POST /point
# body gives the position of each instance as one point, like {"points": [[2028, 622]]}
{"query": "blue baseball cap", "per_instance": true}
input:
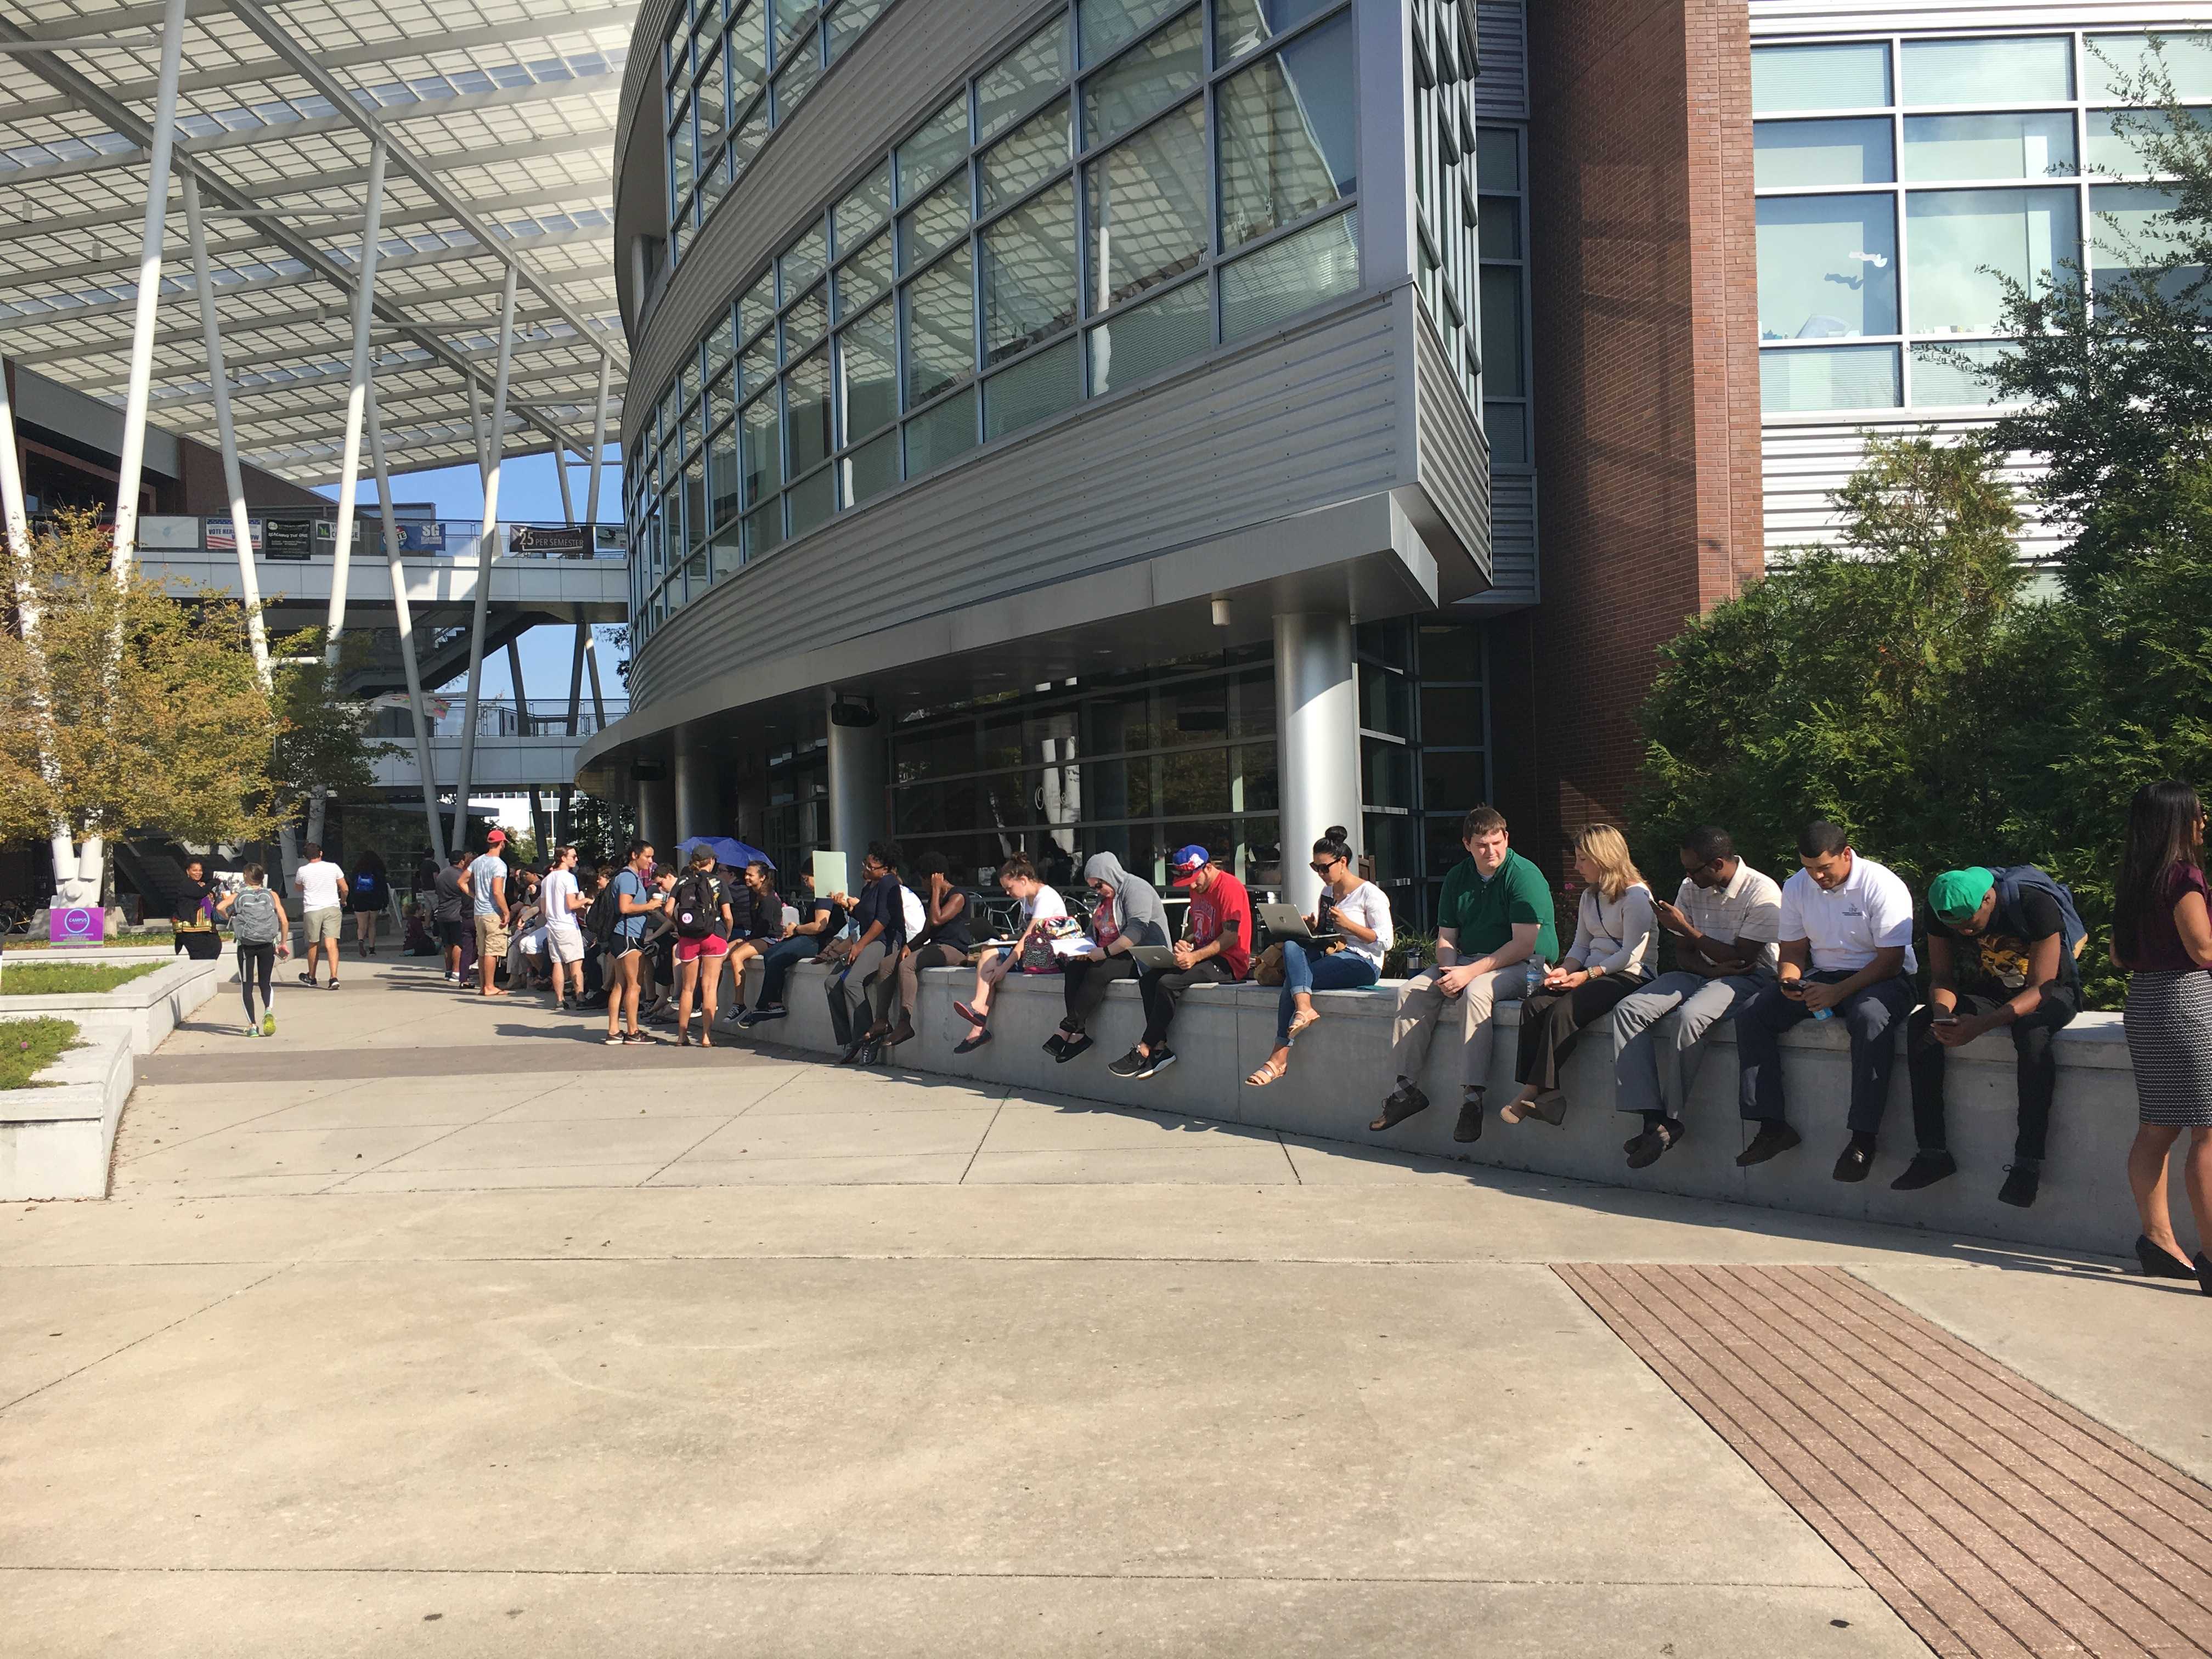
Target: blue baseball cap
{"points": [[1187, 862]]}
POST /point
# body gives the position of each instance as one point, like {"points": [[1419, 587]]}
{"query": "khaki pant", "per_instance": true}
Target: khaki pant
{"points": [[1422, 1007]]}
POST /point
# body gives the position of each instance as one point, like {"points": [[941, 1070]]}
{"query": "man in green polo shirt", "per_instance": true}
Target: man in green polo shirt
{"points": [[1496, 912]]}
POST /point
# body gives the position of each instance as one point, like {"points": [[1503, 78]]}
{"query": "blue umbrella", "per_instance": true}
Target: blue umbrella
{"points": [[735, 853]]}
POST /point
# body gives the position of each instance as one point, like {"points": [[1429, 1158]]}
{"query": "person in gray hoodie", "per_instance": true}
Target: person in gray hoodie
{"points": [[1128, 914]]}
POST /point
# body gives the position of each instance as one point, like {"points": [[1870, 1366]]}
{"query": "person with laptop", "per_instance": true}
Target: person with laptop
{"points": [[1347, 937], [1215, 950], [1127, 919]]}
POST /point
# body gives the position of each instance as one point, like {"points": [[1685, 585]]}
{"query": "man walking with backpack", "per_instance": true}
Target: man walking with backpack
{"points": [[259, 925], [703, 925]]}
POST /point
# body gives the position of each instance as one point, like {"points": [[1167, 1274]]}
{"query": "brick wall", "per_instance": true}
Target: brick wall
{"points": [[1646, 389]]}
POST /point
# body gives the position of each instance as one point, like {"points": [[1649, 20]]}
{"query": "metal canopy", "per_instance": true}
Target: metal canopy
{"points": [[496, 117]]}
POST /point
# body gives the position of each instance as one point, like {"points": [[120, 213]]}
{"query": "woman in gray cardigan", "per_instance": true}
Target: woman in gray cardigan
{"points": [[1615, 945]]}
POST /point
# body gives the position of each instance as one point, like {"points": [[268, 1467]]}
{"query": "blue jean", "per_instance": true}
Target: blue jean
{"points": [[1871, 1016], [778, 959], [1308, 968]]}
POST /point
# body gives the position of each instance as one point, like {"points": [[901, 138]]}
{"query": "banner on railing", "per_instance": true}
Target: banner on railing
{"points": [[287, 538], [222, 538], [421, 535], [564, 541]]}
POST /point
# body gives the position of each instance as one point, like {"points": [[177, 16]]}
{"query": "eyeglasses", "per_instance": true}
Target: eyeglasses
{"points": [[1322, 867]]}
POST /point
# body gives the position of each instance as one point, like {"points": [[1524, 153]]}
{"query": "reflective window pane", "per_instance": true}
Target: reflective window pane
{"points": [[760, 434], [1827, 266], [867, 206], [1155, 74], [721, 345], [2134, 235], [1029, 274], [1012, 88], [806, 411], [1149, 337], [1854, 76], [1828, 377], [757, 309], [748, 52], [2013, 146], [1147, 208], [752, 133], [940, 327], [872, 468], [1107, 23], [796, 78], [1940, 381], [1498, 159], [713, 113], [1501, 332], [1240, 26], [724, 486], [939, 220], [942, 139], [1264, 288], [695, 501], [1988, 71], [945, 431], [1850, 152], [865, 278], [1500, 227], [2112, 61], [764, 528], [2117, 138], [1289, 134], [805, 322], [1037, 387], [759, 363], [812, 500], [1954, 234], [867, 364], [1027, 156], [722, 400], [726, 552], [791, 16], [1506, 426], [798, 265], [846, 22]]}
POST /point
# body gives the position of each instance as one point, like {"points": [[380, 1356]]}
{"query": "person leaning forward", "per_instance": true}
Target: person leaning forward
{"points": [[1722, 921], [2003, 951], [1494, 915]]}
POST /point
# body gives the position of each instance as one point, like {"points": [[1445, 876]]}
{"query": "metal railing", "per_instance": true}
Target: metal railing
{"points": [[496, 717], [301, 536]]}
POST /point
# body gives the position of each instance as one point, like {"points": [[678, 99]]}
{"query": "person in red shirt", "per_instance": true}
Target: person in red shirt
{"points": [[1216, 949]]}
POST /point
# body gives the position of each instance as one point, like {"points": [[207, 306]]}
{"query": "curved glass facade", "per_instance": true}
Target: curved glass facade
{"points": [[1132, 184]]}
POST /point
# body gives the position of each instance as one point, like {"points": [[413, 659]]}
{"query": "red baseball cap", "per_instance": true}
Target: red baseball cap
{"points": [[496, 838]]}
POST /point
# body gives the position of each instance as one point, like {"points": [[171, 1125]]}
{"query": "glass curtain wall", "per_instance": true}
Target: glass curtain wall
{"points": [[1445, 144], [1899, 177], [1424, 751], [1135, 183]]}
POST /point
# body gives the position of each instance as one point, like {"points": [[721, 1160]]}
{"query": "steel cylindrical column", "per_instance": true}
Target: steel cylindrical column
{"points": [[697, 809], [1316, 740], [857, 773]]}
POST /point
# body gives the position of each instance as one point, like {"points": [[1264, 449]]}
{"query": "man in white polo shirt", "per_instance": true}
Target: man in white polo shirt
{"points": [[1846, 951]]}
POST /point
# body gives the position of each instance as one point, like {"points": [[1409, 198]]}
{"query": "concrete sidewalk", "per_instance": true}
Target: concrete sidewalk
{"points": [[430, 1326]]}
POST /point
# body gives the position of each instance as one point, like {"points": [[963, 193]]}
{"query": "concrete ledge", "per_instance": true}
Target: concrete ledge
{"points": [[56, 1142], [114, 955], [148, 1008], [1340, 1072]]}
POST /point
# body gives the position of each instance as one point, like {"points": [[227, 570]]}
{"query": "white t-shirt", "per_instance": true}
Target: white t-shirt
{"points": [[1369, 906], [1871, 911], [1045, 903], [321, 886], [553, 895]]}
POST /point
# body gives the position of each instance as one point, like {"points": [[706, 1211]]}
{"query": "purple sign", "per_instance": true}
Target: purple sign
{"points": [[75, 924]]}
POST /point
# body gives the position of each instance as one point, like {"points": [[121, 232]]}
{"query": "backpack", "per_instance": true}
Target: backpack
{"points": [[364, 883], [253, 918], [698, 906], [601, 915]]}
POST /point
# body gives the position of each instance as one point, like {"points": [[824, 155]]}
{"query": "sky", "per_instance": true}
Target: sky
{"points": [[528, 489]]}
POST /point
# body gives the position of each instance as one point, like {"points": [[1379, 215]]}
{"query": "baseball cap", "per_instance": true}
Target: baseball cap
{"points": [[1186, 864], [496, 838], [1956, 895]]}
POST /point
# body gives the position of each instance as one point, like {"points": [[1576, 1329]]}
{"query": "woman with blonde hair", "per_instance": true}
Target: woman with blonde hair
{"points": [[1612, 955]]}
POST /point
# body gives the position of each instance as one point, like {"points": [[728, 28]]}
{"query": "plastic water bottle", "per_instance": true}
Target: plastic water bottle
{"points": [[1535, 981]]}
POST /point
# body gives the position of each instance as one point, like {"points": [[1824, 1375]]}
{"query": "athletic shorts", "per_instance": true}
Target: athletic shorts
{"points": [[492, 936], [624, 945], [691, 950], [320, 925], [565, 944], [452, 935]]}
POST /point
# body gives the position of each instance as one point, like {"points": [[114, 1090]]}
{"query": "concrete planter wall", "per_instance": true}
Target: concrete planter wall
{"points": [[1342, 1071], [55, 1142], [148, 1008]]}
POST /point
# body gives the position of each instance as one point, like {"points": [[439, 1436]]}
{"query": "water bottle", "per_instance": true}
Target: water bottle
{"points": [[1412, 958], [1535, 981], [1821, 1013]]}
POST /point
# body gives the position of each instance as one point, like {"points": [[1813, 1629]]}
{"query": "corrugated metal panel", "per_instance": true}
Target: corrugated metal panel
{"points": [[1512, 541], [906, 65], [1804, 465], [1501, 90], [1306, 420], [1453, 469], [1780, 17]]}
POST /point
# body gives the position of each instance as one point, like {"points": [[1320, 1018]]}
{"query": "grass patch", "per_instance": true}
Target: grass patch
{"points": [[51, 979], [28, 1047]]}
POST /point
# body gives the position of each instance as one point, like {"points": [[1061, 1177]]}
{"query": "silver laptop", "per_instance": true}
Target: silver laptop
{"points": [[1284, 922]]}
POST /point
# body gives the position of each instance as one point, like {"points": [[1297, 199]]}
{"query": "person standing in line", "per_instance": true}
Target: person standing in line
{"points": [[558, 896], [705, 920], [2162, 940], [485, 882], [1128, 914], [367, 895], [635, 904], [1358, 913], [1216, 949], [1845, 946], [449, 907], [260, 929], [1611, 957], [321, 887], [1724, 919]]}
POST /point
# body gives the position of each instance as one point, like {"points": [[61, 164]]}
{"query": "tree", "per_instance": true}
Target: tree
{"points": [[601, 829], [1869, 682]]}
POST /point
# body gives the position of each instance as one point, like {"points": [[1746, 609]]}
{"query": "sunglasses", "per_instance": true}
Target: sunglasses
{"points": [[1322, 867]]}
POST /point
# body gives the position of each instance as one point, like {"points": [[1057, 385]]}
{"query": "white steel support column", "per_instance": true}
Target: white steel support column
{"points": [[491, 445], [404, 612], [132, 465], [567, 500], [592, 662], [249, 581], [1317, 741], [576, 678], [599, 448]]}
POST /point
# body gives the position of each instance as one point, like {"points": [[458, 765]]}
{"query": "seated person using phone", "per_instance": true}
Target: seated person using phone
{"points": [[2003, 949]]}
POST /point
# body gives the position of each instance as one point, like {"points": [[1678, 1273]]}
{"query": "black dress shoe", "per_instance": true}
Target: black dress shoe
{"points": [[968, 1045], [2022, 1177], [1855, 1160], [1645, 1149], [1469, 1127], [1774, 1138], [2157, 1263], [1925, 1170], [1404, 1103]]}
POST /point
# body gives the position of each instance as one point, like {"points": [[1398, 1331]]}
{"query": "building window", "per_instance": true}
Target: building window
{"points": [[1901, 180], [1424, 751]]}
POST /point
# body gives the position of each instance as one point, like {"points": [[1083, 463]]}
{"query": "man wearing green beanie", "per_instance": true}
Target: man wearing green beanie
{"points": [[2003, 949]]}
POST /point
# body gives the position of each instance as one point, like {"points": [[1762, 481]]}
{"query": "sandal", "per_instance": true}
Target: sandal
{"points": [[1300, 1023], [1269, 1071], [1516, 1108]]}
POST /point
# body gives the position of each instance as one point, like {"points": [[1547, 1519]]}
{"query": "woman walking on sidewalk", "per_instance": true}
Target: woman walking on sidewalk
{"points": [[263, 931]]}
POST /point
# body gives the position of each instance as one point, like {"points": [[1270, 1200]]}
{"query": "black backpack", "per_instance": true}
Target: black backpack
{"points": [[698, 905], [599, 919]]}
